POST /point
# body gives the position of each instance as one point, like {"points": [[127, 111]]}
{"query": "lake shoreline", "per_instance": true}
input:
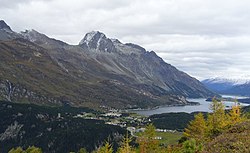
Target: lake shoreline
{"points": [[203, 106], [233, 100]]}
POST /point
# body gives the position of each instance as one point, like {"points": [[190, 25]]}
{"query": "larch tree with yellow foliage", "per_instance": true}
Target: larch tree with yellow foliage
{"points": [[235, 114], [125, 147], [196, 128], [147, 141], [217, 120], [31, 149], [107, 148]]}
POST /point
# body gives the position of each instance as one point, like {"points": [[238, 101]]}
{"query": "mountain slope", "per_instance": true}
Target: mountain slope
{"points": [[242, 89], [97, 72]]}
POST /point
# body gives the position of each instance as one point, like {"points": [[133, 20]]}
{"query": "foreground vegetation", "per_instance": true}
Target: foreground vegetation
{"points": [[219, 131]]}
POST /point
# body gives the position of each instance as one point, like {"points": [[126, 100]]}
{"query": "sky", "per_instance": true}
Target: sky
{"points": [[204, 38]]}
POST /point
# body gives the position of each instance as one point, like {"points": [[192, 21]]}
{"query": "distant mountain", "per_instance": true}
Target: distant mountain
{"points": [[242, 89], [228, 86], [99, 72]]}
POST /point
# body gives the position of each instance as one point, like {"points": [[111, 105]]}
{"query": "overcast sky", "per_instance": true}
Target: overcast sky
{"points": [[204, 38]]}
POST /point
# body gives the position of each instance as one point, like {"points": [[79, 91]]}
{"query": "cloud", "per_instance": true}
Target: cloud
{"points": [[203, 38]]}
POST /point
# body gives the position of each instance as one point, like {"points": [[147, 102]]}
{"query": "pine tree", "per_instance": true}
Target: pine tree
{"points": [[196, 128]]}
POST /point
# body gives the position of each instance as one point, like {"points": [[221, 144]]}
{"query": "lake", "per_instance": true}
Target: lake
{"points": [[203, 107]]}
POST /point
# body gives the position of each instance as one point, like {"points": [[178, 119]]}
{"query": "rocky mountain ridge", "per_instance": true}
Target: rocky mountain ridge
{"points": [[98, 72]]}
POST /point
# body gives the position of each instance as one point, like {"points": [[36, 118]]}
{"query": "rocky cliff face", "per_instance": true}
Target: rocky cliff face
{"points": [[11, 132], [6, 33], [18, 93], [98, 72], [96, 40]]}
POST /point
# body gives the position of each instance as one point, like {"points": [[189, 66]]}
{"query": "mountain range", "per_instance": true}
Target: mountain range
{"points": [[228, 86], [98, 72]]}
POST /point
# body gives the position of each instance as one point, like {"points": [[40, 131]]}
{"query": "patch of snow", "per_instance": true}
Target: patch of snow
{"points": [[98, 43], [31, 35]]}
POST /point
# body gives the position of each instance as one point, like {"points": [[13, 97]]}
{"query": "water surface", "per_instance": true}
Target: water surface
{"points": [[203, 107]]}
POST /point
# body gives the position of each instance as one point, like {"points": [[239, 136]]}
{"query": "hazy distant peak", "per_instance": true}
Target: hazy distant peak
{"points": [[232, 81], [3, 25]]}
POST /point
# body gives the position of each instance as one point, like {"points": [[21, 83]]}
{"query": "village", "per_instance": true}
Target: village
{"points": [[133, 122]]}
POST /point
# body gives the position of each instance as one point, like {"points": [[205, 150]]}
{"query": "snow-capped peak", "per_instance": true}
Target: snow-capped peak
{"points": [[97, 41], [232, 81], [90, 36]]}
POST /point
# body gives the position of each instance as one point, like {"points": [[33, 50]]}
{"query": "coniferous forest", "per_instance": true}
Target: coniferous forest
{"points": [[219, 131]]}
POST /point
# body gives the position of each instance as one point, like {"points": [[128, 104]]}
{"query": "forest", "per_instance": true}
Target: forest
{"points": [[54, 129], [219, 131]]}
